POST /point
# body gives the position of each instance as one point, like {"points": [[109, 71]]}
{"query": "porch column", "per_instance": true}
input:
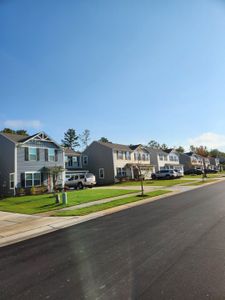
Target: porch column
{"points": [[132, 172]]}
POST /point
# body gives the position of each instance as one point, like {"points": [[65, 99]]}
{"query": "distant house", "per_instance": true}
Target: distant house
{"points": [[73, 162], [168, 159], [191, 160], [111, 162], [214, 163], [27, 161]]}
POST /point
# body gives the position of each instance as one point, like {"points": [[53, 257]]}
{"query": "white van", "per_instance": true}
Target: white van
{"points": [[81, 180]]}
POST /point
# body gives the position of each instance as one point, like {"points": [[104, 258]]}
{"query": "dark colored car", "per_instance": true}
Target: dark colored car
{"points": [[209, 171], [193, 172]]}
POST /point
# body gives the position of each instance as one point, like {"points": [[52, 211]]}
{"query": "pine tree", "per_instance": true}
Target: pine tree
{"points": [[70, 139]]}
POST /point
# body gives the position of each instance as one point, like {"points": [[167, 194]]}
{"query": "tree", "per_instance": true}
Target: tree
{"points": [[164, 147], [192, 148], [104, 140], [8, 130], [180, 149], [153, 144], [202, 150], [70, 139], [22, 132], [85, 138], [215, 153]]}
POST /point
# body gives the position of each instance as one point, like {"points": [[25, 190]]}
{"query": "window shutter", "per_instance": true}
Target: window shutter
{"points": [[56, 155], [38, 154], [46, 154], [22, 180], [26, 153]]}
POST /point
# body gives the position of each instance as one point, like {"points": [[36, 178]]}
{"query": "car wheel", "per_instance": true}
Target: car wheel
{"points": [[80, 186]]}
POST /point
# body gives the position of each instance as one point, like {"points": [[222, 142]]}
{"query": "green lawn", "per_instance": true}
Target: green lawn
{"points": [[166, 182], [221, 174], [43, 203], [200, 182], [94, 208]]}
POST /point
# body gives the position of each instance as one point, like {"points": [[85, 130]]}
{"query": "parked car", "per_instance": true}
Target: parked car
{"points": [[209, 171], [193, 172], [165, 174], [179, 173], [81, 180]]}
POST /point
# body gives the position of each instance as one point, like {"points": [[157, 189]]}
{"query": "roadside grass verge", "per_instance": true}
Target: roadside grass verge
{"points": [[202, 182], [160, 182], [99, 207], [217, 175], [43, 203]]}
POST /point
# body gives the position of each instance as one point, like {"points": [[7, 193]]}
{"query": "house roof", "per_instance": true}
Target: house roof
{"points": [[71, 152], [16, 138], [155, 151], [114, 146]]}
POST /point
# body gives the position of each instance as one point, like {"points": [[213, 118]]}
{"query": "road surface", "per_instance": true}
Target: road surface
{"points": [[173, 248]]}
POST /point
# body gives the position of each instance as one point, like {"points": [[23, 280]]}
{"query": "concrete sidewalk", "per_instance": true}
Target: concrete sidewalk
{"points": [[17, 227]]}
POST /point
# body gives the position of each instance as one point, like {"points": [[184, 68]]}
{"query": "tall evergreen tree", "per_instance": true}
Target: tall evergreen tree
{"points": [[70, 139]]}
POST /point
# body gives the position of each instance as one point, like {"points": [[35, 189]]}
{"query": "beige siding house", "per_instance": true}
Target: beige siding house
{"points": [[164, 161], [111, 162]]}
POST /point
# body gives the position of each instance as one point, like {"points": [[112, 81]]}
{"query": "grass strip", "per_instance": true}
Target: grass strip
{"points": [[33, 204], [161, 182], [99, 207]]}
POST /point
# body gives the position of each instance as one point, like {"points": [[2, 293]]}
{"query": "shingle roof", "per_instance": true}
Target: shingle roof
{"points": [[157, 151], [118, 147], [16, 138], [71, 152]]}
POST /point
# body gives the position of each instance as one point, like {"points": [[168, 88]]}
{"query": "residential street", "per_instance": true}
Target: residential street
{"points": [[173, 248]]}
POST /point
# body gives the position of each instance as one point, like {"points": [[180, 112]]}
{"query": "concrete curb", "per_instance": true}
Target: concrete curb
{"points": [[63, 222]]}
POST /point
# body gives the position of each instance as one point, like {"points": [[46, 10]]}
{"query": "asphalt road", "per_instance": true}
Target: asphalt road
{"points": [[173, 248]]}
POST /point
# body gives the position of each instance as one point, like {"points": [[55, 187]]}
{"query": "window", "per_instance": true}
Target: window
{"points": [[127, 155], [101, 173], [160, 156], [32, 179], [51, 154], [143, 156], [121, 172], [32, 153], [11, 180], [120, 154], [85, 160]]}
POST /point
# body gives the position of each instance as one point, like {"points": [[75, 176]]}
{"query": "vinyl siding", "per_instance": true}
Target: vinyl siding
{"points": [[100, 156], [7, 166]]}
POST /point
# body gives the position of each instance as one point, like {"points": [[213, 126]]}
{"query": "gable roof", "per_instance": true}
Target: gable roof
{"points": [[156, 151], [114, 146], [17, 138]]}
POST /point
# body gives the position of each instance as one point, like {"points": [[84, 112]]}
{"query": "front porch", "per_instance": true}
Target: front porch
{"points": [[134, 171]]}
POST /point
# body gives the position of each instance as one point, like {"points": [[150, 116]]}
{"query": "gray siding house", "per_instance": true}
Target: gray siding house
{"points": [[191, 160], [27, 161], [111, 162]]}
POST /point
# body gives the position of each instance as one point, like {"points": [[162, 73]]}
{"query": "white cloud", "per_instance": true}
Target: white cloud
{"points": [[210, 139], [21, 124]]}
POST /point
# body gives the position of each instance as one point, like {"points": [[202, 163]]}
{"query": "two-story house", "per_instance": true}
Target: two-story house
{"points": [[27, 161], [73, 162], [191, 160], [214, 163], [111, 162], [164, 160]]}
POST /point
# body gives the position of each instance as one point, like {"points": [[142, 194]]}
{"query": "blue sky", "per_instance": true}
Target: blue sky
{"points": [[129, 70]]}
